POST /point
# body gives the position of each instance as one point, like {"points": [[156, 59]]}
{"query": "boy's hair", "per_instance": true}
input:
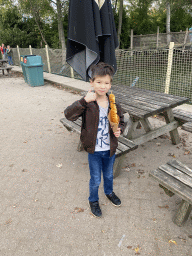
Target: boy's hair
{"points": [[101, 69]]}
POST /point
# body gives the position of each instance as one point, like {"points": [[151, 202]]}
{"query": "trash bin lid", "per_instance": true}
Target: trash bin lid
{"points": [[22, 57], [31, 60]]}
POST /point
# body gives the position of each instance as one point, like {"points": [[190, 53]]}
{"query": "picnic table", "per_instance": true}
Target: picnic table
{"points": [[3, 66], [142, 104]]}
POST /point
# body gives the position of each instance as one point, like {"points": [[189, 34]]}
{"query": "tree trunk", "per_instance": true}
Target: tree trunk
{"points": [[42, 36], [120, 20], [168, 22], [115, 5], [61, 30], [35, 13]]}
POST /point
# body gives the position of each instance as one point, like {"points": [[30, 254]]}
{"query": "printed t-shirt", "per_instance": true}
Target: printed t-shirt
{"points": [[103, 137]]}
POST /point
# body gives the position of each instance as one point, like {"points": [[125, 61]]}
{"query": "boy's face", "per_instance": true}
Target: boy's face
{"points": [[101, 84]]}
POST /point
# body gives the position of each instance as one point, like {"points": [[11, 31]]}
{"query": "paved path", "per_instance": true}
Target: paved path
{"points": [[44, 186]]}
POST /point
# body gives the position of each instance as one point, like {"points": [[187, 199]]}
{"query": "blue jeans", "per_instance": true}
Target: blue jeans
{"points": [[10, 60], [100, 161]]}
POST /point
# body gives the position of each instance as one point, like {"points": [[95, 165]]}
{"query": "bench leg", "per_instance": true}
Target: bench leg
{"points": [[146, 125], [130, 128], [3, 71], [182, 213], [80, 146], [118, 165], [174, 133], [167, 191]]}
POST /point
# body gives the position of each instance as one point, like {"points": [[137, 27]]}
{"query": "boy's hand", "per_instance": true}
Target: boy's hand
{"points": [[91, 96], [118, 132]]}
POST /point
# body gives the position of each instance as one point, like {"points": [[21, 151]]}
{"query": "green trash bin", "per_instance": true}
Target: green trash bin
{"points": [[33, 66], [23, 67]]}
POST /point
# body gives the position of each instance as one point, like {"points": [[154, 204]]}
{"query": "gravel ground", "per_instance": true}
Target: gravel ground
{"points": [[44, 185]]}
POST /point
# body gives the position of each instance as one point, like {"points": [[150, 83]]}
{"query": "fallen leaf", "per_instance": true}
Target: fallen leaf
{"points": [[77, 210], [171, 154], [164, 206], [173, 242], [183, 239], [59, 165], [137, 250], [24, 170], [8, 222], [129, 247], [190, 236], [141, 171], [133, 165], [187, 153]]}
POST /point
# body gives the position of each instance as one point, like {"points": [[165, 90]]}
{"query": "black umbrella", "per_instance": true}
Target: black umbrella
{"points": [[92, 36]]}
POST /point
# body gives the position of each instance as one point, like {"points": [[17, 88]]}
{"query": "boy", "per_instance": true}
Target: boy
{"points": [[97, 136]]}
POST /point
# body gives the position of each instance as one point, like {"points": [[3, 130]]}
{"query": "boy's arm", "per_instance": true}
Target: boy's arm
{"points": [[121, 117], [74, 111]]}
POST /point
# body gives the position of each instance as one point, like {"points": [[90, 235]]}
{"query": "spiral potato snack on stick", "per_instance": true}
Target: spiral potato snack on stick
{"points": [[113, 112]]}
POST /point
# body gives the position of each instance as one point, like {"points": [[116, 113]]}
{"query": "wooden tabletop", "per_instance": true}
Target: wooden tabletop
{"points": [[144, 103]]}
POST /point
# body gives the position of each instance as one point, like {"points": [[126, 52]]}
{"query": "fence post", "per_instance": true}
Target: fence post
{"points": [[157, 37], [72, 72], [169, 66], [48, 62], [131, 42], [30, 49], [18, 52], [185, 39]]}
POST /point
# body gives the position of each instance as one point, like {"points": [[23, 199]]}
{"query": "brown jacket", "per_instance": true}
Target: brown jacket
{"points": [[90, 120]]}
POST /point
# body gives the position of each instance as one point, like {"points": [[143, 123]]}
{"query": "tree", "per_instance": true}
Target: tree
{"points": [[140, 18], [37, 9], [14, 29], [120, 20], [168, 20]]}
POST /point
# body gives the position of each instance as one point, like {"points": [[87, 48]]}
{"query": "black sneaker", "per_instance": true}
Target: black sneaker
{"points": [[95, 209], [114, 199]]}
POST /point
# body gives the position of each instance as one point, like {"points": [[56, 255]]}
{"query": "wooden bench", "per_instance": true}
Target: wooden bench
{"points": [[7, 68], [176, 178], [184, 118], [124, 145]]}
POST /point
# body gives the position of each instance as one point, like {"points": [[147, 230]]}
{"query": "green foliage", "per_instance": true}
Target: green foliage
{"points": [[180, 19], [18, 24], [20, 28]]}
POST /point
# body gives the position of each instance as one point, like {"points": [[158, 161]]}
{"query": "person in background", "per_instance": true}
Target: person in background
{"points": [[3, 51], [9, 54]]}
